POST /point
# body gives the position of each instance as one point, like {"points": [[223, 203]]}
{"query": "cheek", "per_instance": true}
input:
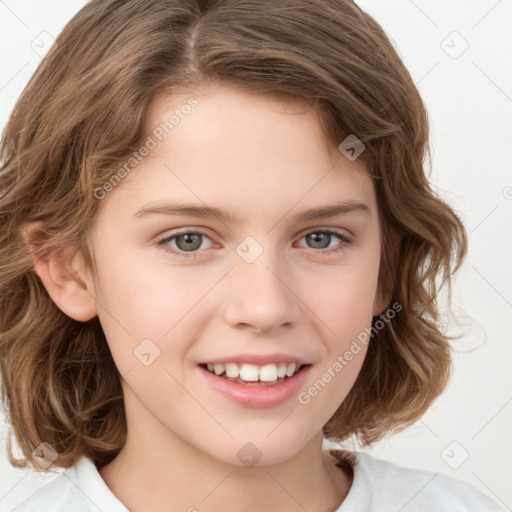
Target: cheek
{"points": [[342, 319], [343, 297], [149, 301]]}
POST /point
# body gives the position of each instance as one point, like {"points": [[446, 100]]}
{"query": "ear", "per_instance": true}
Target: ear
{"points": [[385, 287], [65, 277]]}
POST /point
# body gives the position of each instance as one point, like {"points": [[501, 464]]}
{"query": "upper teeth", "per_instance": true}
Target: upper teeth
{"points": [[252, 372]]}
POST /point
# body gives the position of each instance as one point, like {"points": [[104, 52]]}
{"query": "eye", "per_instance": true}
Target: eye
{"points": [[187, 243], [324, 236]]}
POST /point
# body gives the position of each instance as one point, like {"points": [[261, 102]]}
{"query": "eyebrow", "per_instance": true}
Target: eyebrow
{"points": [[195, 210]]}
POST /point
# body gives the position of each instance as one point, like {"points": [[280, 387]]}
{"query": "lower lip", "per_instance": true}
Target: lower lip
{"points": [[257, 396]]}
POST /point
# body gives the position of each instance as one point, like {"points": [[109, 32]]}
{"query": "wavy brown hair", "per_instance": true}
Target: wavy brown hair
{"points": [[83, 113]]}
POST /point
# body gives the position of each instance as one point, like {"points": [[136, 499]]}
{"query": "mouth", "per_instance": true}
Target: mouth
{"points": [[253, 375], [258, 387]]}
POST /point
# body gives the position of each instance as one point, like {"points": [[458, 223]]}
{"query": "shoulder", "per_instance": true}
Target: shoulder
{"points": [[77, 489], [381, 485]]}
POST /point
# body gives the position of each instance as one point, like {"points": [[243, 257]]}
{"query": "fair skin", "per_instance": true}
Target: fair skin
{"points": [[264, 160]]}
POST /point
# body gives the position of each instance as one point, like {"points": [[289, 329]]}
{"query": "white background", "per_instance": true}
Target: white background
{"points": [[469, 99]]}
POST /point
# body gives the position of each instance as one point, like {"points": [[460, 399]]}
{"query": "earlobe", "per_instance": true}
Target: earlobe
{"points": [[67, 281]]}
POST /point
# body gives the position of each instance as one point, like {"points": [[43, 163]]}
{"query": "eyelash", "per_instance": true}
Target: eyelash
{"points": [[345, 241]]}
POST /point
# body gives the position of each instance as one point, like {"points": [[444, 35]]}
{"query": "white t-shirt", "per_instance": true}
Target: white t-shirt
{"points": [[378, 486]]}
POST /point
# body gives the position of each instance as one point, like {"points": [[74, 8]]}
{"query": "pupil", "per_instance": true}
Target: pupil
{"points": [[188, 237], [319, 237]]}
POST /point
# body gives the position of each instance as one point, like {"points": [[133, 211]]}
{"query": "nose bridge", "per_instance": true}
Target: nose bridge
{"points": [[259, 294]]}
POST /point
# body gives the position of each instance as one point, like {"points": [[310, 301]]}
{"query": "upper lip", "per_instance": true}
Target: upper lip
{"points": [[258, 359]]}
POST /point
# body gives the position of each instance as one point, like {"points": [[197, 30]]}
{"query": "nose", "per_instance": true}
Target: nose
{"points": [[260, 295]]}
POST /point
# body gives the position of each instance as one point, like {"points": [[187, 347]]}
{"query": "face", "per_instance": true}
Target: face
{"points": [[262, 284]]}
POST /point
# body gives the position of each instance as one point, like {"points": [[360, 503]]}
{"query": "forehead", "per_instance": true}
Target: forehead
{"points": [[233, 117], [222, 145]]}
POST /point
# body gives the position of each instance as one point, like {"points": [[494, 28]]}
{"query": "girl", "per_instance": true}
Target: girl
{"points": [[220, 249]]}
